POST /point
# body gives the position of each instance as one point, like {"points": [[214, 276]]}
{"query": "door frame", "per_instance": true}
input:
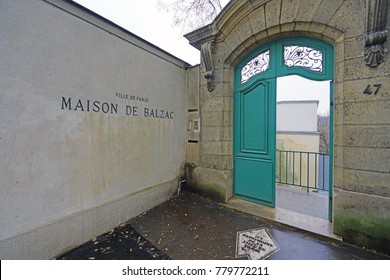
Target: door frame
{"points": [[278, 69]]}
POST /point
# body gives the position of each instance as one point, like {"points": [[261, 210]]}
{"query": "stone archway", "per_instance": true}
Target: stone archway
{"points": [[240, 29], [359, 63], [255, 110]]}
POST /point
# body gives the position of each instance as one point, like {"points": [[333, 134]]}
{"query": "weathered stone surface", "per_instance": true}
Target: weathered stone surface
{"points": [[350, 18], [193, 76], [356, 70], [373, 112], [227, 133], [250, 43], [338, 113], [302, 26], [367, 136], [373, 183], [213, 183], [261, 36], [193, 151], [228, 118], [339, 52], [338, 156], [289, 10], [273, 30], [233, 41], [212, 133], [354, 91], [243, 29], [326, 10], [212, 103], [257, 20], [224, 51], [217, 147], [228, 85], [317, 27], [338, 93], [376, 160], [272, 13], [216, 161], [362, 219], [338, 177], [211, 118], [228, 104], [338, 135], [333, 33], [287, 27], [307, 10], [339, 74], [354, 47]]}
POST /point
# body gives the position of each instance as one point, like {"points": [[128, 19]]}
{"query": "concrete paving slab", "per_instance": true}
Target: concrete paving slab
{"points": [[298, 200]]}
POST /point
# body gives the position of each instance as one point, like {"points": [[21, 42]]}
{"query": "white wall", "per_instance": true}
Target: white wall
{"points": [[68, 172], [297, 116]]}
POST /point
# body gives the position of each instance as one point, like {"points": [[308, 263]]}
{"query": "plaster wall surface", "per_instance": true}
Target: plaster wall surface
{"points": [[92, 126], [296, 116], [297, 142]]}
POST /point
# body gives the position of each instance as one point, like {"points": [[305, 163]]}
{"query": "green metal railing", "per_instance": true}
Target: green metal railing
{"points": [[304, 169]]}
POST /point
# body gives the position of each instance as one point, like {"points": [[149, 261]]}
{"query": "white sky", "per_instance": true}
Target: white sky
{"points": [[297, 88], [142, 18]]}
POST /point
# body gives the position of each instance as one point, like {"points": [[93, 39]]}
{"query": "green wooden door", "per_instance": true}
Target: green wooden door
{"points": [[254, 127], [255, 108], [254, 162]]}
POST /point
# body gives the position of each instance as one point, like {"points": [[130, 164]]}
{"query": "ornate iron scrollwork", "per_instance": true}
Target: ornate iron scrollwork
{"points": [[257, 65], [303, 56], [376, 34], [207, 50]]}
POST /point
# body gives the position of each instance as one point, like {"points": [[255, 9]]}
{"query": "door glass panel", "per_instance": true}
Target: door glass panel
{"points": [[302, 56], [257, 65]]}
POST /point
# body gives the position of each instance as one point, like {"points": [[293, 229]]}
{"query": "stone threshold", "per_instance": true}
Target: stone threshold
{"points": [[314, 225]]}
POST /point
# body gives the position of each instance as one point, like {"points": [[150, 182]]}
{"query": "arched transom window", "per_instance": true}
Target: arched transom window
{"points": [[302, 56], [257, 65], [299, 55]]}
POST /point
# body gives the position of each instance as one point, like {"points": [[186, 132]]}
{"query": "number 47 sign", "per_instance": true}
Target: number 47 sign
{"points": [[372, 89]]}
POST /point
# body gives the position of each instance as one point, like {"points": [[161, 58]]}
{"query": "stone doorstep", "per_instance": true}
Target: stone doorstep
{"points": [[310, 224]]}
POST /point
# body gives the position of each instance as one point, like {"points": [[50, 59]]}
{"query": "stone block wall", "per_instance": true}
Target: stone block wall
{"points": [[361, 163]]}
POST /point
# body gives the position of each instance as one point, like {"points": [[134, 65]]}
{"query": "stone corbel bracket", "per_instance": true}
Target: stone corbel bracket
{"points": [[207, 51], [376, 33]]}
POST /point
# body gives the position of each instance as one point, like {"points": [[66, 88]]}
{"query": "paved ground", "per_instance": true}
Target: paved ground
{"points": [[190, 227], [299, 200]]}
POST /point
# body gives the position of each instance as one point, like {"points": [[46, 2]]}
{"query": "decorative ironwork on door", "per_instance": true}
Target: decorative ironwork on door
{"points": [[303, 56], [257, 65]]}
